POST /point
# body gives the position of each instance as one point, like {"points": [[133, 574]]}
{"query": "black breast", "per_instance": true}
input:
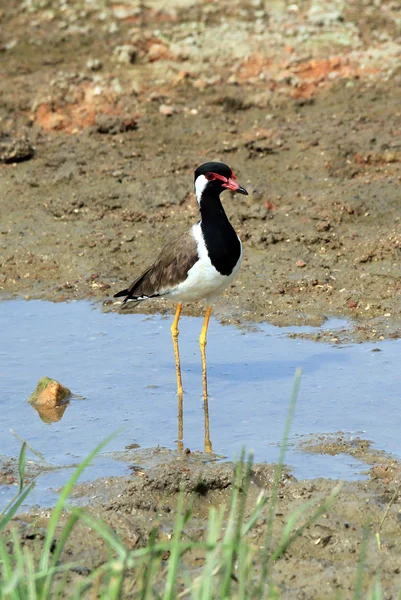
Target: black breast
{"points": [[223, 245]]}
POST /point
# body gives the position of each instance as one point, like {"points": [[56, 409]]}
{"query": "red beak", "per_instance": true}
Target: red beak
{"points": [[233, 185]]}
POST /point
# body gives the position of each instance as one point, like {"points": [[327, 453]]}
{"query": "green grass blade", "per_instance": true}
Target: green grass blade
{"points": [[175, 551], [103, 530], [276, 484], [202, 587], [12, 509], [56, 513], [230, 538], [290, 535], [21, 467], [63, 538], [38, 454], [7, 571], [361, 564], [149, 568], [256, 513], [30, 574]]}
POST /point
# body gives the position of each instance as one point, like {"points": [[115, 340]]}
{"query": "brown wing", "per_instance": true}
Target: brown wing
{"points": [[170, 269]]}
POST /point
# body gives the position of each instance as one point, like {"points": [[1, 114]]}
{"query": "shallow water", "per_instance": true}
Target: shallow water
{"points": [[121, 368]]}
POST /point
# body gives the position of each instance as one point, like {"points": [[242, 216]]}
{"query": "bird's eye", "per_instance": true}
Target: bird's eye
{"points": [[209, 176]]}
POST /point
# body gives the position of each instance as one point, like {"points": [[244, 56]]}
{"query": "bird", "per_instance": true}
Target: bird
{"points": [[198, 265]]}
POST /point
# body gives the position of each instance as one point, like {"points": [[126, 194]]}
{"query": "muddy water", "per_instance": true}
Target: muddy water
{"points": [[121, 370]]}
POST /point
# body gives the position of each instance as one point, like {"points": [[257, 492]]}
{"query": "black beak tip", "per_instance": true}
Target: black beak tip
{"points": [[242, 190]]}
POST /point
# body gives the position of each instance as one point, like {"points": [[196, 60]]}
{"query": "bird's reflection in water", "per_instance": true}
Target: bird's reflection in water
{"points": [[50, 414], [180, 439], [53, 414]]}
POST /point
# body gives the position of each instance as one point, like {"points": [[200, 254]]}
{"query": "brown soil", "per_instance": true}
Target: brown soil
{"points": [[113, 108], [105, 111]]}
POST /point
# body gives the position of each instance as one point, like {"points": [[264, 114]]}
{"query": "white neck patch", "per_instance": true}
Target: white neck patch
{"points": [[200, 184]]}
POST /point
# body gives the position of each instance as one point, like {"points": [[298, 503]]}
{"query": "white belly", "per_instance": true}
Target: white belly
{"points": [[203, 281]]}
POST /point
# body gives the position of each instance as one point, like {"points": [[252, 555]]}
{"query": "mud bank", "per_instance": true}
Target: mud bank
{"points": [[321, 562], [96, 172]]}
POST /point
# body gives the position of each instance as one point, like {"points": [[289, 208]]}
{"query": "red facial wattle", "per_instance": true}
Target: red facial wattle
{"points": [[228, 182]]}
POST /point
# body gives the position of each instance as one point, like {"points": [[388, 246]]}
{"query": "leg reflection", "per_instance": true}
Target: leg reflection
{"points": [[208, 443], [180, 439]]}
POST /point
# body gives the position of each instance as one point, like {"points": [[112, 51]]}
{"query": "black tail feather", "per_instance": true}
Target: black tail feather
{"points": [[122, 293]]}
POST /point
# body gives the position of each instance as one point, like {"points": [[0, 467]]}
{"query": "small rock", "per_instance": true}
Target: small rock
{"points": [[10, 45], [94, 64], [49, 392], [352, 303], [157, 52], [301, 264], [125, 54], [183, 75], [200, 83], [319, 15], [166, 110], [323, 226], [16, 150], [113, 125]]}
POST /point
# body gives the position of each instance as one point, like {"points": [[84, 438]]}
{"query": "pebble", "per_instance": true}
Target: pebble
{"points": [[125, 54], [16, 150], [157, 52], [94, 64], [166, 110]]}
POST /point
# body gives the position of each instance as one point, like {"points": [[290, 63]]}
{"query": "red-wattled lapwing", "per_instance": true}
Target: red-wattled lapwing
{"points": [[201, 263]]}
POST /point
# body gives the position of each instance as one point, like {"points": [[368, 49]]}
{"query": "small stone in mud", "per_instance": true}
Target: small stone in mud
{"points": [[94, 64], [125, 54], [352, 303], [49, 392], [114, 125], [16, 150], [157, 52], [301, 264], [166, 110]]}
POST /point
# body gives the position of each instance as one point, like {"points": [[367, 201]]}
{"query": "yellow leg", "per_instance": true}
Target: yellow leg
{"points": [[174, 333], [202, 344]]}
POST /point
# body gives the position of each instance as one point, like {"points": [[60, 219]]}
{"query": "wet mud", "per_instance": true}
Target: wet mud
{"points": [[106, 110], [96, 173], [323, 560]]}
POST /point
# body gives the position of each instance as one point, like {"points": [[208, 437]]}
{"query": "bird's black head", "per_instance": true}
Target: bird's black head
{"points": [[215, 177]]}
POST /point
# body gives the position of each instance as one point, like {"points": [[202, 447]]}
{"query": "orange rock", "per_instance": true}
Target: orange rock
{"points": [[49, 392], [50, 395], [158, 52]]}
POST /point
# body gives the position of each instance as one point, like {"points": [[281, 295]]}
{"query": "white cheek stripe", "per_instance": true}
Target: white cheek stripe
{"points": [[200, 184]]}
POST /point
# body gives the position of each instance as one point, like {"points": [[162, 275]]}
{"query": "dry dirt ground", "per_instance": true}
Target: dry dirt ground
{"points": [[106, 108]]}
